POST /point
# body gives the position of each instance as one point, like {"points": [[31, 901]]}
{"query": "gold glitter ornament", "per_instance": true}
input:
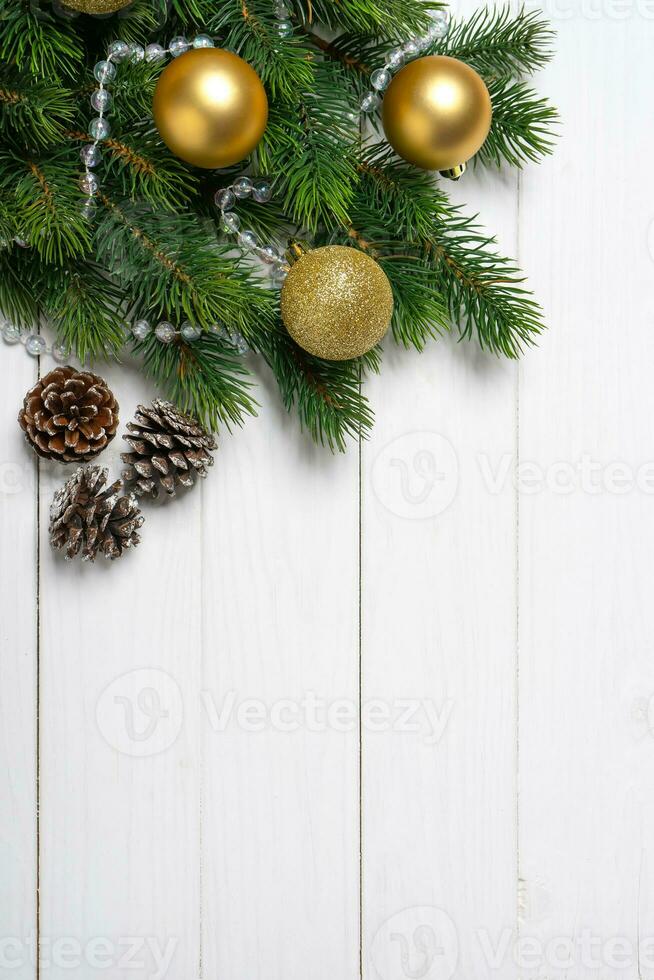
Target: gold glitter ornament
{"points": [[210, 108], [336, 302], [437, 113], [97, 6]]}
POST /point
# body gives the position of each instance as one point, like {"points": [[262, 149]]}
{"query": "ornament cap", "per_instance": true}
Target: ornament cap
{"points": [[295, 250], [454, 173]]}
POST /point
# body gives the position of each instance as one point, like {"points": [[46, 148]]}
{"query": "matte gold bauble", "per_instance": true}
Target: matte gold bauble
{"points": [[336, 302], [97, 6], [436, 112], [210, 108]]}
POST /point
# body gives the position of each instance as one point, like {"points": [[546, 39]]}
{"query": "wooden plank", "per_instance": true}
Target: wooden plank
{"points": [[18, 674], [120, 662], [280, 768], [439, 651], [586, 572]]}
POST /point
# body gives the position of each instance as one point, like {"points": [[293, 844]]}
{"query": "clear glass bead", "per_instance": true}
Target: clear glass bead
{"points": [[178, 46], [11, 333], [136, 53], [154, 52], [410, 49], [21, 241], [370, 102], [279, 271], [105, 71], [89, 183], [90, 155], [239, 343], [380, 79], [190, 331], [225, 198], [284, 28], [281, 11], [35, 344], [99, 128], [88, 209], [203, 41], [261, 190], [440, 24], [60, 353], [395, 58], [268, 253], [101, 100], [118, 50], [165, 332], [141, 329], [243, 187], [422, 43], [248, 239], [230, 222]]}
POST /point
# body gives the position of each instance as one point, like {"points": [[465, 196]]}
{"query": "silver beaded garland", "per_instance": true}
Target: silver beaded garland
{"points": [[396, 58]]}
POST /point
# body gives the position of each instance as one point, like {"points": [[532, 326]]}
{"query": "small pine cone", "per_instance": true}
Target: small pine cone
{"points": [[168, 448], [85, 517], [69, 415]]}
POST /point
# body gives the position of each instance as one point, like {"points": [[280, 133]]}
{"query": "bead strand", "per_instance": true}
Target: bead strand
{"points": [[166, 333], [260, 190], [101, 101], [381, 78], [34, 343]]}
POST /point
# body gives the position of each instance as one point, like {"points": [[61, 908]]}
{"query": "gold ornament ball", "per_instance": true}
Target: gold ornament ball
{"points": [[97, 6], [436, 112], [336, 302], [210, 108]]}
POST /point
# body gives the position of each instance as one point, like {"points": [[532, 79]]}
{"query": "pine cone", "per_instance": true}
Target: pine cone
{"points": [[85, 517], [168, 448], [69, 415]]}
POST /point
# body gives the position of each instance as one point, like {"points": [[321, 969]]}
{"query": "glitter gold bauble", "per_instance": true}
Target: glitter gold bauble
{"points": [[97, 6], [210, 108], [336, 302], [436, 112]]}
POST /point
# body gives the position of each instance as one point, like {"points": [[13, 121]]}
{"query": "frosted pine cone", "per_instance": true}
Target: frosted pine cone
{"points": [[169, 449], [86, 518]]}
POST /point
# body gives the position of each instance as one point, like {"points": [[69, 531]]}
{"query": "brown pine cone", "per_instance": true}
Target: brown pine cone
{"points": [[85, 517], [69, 415], [168, 449]]}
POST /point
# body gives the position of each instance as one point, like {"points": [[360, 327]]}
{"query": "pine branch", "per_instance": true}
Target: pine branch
{"points": [[18, 284], [34, 41], [522, 127], [326, 394], [86, 308], [174, 269], [498, 44], [396, 19], [484, 291], [33, 111], [311, 145], [48, 201], [138, 166], [419, 312], [205, 378], [283, 64]]}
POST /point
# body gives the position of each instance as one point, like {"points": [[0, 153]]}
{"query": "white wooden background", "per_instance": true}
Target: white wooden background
{"points": [[388, 714]]}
